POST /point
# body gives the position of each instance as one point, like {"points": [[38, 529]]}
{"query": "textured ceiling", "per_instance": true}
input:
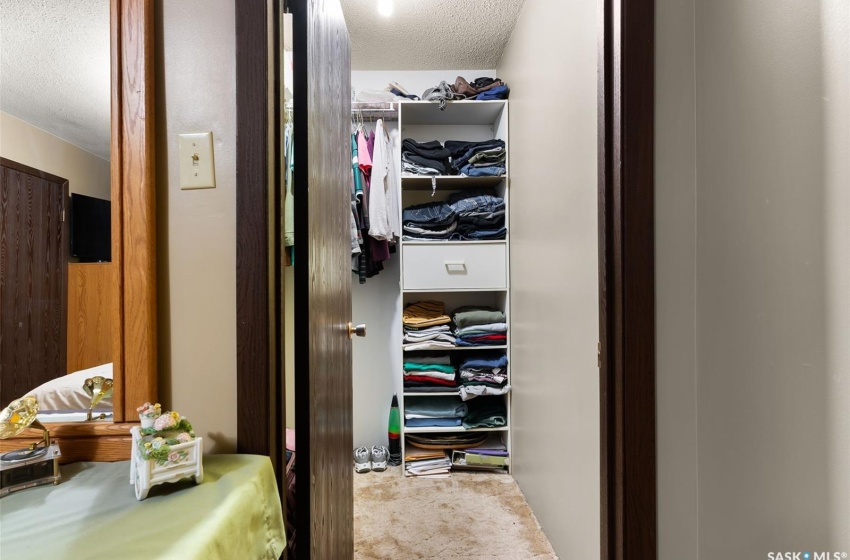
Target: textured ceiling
{"points": [[54, 68], [430, 34]]}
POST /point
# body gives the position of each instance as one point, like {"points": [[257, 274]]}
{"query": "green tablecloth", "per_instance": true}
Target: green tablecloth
{"points": [[93, 514]]}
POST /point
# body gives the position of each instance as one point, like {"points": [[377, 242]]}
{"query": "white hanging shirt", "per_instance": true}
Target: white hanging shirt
{"points": [[383, 196]]}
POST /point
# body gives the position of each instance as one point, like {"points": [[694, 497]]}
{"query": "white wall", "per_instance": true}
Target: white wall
{"points": [[675, 272], [554, 264], [196, 92], [24, 143], [771, 251]]}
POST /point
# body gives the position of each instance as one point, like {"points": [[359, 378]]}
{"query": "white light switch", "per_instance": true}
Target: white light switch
{"points": [[197, 166]]}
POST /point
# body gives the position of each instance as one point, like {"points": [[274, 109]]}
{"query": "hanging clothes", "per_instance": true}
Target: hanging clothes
{"points": [[288, 186], [383, 202]]}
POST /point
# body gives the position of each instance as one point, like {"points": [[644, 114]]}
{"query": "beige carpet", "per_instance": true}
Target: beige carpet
{"points": [[475, 516]]}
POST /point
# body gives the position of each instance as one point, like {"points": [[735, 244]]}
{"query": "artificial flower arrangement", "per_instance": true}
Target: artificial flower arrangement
{"points": [[166, 430], [148, 413]]}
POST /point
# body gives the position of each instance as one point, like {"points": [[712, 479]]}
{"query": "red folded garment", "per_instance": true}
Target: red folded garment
{"points": [[424, 379], [490, 337]]}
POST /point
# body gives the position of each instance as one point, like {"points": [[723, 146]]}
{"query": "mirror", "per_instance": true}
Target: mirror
{"points": [[56, 195], [128, 282]]}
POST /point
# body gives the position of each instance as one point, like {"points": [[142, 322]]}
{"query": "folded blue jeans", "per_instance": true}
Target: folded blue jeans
{"points": [[490, 171]]}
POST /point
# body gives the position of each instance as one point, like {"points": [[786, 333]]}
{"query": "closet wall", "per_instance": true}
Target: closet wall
{"points": [[755, 99], [554, 265], [377, 303], [195, 80]]}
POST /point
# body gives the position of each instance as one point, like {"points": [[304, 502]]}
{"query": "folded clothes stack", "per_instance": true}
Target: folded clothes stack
{"points": [[486, 412], [426, 326], [478, 159], [480, 214], [428, 373], [477, 325], [431, 221], [484, 374], [426, 158], [434, 412]]}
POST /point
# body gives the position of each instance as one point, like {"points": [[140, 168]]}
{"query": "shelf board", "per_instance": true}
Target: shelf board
{"points": [[453, 348], [456, 112], [423, 182], [434, 394], [453, 290], [441, 243], [453, 429]]}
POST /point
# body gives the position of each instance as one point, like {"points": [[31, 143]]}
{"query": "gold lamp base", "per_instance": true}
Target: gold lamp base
{"points": [[30, 466]]}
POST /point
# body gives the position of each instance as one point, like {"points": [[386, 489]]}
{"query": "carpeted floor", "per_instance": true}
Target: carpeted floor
{"points": [[475, 516]]}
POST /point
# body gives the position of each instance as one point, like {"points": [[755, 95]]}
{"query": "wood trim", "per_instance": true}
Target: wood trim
{"points": [[133, 237], [253, 371], [33, 171], [104, 441], [138, 207], [627, 279]]}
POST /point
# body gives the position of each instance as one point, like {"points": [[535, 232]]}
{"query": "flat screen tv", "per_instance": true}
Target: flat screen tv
{"points": [[91, 228]]}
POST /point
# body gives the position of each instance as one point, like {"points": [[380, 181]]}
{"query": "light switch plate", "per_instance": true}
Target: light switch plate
{"points": [[197, 165]]}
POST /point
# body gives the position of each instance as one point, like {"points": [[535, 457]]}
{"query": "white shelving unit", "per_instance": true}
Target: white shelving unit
{"points": [[483, 278]]}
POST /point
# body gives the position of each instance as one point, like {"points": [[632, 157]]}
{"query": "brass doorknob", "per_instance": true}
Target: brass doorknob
{"points": [[359, 330]]}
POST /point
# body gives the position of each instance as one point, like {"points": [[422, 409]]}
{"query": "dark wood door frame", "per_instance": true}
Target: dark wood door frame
{"points": [[626, 116], [626, 257]]}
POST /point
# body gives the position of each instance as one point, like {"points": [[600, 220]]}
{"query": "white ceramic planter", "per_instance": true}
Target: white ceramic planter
{"points": [[187, 462]]}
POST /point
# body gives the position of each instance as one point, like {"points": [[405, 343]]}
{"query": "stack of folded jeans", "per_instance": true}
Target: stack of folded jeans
{"points": [[480, 213], [479, 326], [432, 221], [486, 412], [426, 373], [427, 158], [426, 326], [435, 411], [484, 374], [478, 159]]}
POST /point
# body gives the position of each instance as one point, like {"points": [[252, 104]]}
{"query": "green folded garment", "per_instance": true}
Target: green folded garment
{"points": [[486, 412], [466, 316], [413, 366]]}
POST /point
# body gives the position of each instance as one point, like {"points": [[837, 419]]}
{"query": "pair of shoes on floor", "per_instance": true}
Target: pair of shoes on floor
{"points": [[366, 460]]}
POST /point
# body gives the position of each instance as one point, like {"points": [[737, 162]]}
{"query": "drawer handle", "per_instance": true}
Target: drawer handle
{"points": [[455, 267]]}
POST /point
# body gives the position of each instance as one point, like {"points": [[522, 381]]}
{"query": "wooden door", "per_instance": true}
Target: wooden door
{"points": [[323, 379], [33, 278]]}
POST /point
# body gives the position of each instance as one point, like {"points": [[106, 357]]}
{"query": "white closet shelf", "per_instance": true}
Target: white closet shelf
{"points": [[457, 290], [453, 348], [435, 394], [455, 113], [453, 429], [423, 182], [442, 243]]}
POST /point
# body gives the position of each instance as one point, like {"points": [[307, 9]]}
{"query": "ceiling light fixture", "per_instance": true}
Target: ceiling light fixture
{"points": [[385, 7]]}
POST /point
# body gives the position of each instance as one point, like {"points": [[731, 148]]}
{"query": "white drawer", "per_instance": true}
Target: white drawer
{"points": [[455, 267]]}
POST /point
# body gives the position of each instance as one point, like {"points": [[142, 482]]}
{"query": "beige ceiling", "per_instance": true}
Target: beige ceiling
{"points": [[54, 68], [430, 34]]}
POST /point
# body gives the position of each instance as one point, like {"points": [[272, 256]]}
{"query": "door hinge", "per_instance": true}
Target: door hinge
{"points": [[599, 354], [63, 215]]}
